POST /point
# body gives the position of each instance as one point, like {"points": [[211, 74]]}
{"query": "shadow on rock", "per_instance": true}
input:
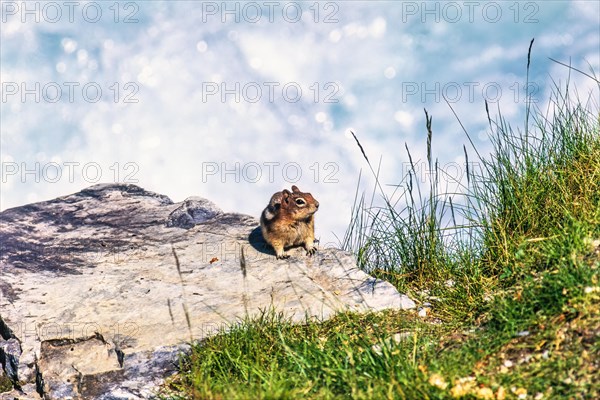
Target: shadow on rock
{"points": [[258, 243]]}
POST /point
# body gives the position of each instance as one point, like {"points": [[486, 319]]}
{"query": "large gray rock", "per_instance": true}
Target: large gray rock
{"points": [[102, 289]]}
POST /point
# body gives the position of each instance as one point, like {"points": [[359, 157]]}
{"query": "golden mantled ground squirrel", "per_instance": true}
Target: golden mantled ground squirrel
{"points": [[289, 221]]}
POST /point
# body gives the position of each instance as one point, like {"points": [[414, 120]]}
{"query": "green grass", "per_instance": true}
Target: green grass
{"points": [[5, 383], [510, 264]]}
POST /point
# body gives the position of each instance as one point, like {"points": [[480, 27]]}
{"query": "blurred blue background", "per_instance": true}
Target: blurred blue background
{"points": [[233, 101]]}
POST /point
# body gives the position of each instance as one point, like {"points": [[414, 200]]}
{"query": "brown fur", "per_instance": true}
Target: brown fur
{"points": [[287, 221]]}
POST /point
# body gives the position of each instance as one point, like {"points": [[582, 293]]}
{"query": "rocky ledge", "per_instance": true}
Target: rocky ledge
{"points": [[101, 290]]}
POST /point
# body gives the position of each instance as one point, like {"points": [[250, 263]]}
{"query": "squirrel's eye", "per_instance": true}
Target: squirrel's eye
{"points": [[300, 202]]}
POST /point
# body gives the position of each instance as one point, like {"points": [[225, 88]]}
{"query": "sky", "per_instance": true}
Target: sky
{"points": [[233, 101]]}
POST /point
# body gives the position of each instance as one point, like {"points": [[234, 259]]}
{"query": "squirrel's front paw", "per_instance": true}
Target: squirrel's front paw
{"points": [[311, 250], [282, 256]]}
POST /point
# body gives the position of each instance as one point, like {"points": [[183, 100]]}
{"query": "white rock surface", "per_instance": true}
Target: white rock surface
{"points": [[100, 290]]}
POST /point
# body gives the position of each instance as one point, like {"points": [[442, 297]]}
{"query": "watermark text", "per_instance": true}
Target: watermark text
{"points": [[269, 171], [70, 11], [68, 171], [253, 92], [53, 92]]}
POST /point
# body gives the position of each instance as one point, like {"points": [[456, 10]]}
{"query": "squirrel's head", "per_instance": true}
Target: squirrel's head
{"points": [[300, 205]]}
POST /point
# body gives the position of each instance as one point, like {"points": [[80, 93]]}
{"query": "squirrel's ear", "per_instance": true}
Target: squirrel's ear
{"points": [[286, 193], [295, 189], [276, 198]]}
